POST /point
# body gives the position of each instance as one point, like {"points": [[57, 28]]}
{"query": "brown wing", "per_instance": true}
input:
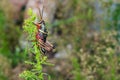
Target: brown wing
{"points": [[47, 46]]}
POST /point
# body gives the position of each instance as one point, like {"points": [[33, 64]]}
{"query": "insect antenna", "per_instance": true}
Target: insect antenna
{"points": [[40, 15], [42, 8], [41, 11]]}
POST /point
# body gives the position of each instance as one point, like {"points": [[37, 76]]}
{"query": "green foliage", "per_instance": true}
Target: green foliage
{"points": [[36, 72], [77, 70], [5, 67], [94, 53], [29, 27], [9, 34], [99, 60], [2, 76]]}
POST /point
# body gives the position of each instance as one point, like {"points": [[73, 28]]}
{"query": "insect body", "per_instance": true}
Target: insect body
{"points": [[41, 31], [41, 36]]}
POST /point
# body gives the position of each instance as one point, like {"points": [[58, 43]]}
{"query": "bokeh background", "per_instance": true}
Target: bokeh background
{"points": [[86, 34]]}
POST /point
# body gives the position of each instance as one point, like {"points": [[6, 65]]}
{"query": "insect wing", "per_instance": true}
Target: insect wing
{"points": [[47, 46]]}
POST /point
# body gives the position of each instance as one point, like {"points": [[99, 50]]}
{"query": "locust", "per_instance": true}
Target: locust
{"points": [[41, 34]]}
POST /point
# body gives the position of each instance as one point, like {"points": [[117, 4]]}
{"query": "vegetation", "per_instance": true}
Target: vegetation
{"points": [[87, 40], [36, 73]]}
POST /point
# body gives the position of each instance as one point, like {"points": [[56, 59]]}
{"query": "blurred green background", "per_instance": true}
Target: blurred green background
{"points": [[86, 34]]}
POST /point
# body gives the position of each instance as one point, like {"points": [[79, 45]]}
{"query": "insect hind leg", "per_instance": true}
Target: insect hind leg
{"points": [[43, 50]]}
